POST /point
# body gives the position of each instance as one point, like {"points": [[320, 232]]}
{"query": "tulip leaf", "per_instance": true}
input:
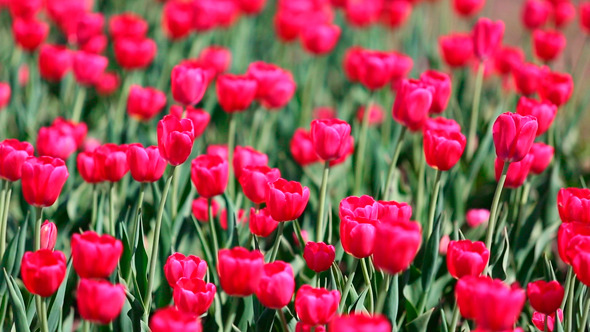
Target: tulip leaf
{"points": [[18, 305], [358, 305], [141, 263], [265, 321], [233, 239], [14, 253], [430, 261], [247, 313], [127, 256], [420, 324], [55, 308], [443, 318]]}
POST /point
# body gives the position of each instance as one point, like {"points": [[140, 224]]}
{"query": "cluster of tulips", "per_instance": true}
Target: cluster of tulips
{"points": [[238, 150]]}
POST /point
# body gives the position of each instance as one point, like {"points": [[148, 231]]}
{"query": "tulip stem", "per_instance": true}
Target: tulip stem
{"points": [[570, 303], [299, 234], [85, 326], [38, 222], [155, 242], [231, 142], [94, 206], [455, 318], [368, 283], [583, 323], [494, 210], [348, 284], [138, 210], [393, 165], [174, 198], [78, 104], [420, 191], [112, 210], [387, 282], [322, 207], [276, 245], [433, 203], [4, 208], [41, 313], [475, 111], [283, 320], [212, 227], [362, 146], [232, 314]]}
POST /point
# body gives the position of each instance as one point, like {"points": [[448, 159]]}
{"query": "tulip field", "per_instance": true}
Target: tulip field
{"points": [[294, 165]]}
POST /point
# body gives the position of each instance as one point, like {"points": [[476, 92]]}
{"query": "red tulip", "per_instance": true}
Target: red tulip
{"points": [[145, 103], [514, 135], [396, 245], [563, 13], [527, 77], [456, 49], [476, 217], [506, 58], [412, 103], [539, 320], [556, 88], [239, 271], [364, 207], [542, 156], [320, 39], [42, 180], [127, 25], [330, 137], [132, 53], [175, 139], [188, 84], [96, 44], [218, 150], [254, 181], [145, 164], [261, 223], [240, 218], [198, 116], [177, 19], [48, 235], [107, 84], [585, 16], [466, 258], [535, 13], [441, 83], [375, 68], [200, 209], [549, 44], [392, 211], [29, 33], [171, 319], [216, 57], [194, 295], [286, 200], [54, 142], [88, 67], [277, 285], [578, 252], [440, 123], [302, 327], [357, 235], [43, 271], [402, 65], [316, 306], [573, 204], [543, 111], [352, 62], [359, 323], [545, 297], [54, 62], [4, 95], [235, 92], [376, 114], [443, 149], [566, 233], [487, 37], [210, 175], [89, 26], [24, 8], [362, 13], [99, 301], [112, 161], [319, 256], [89, 168], [251, 7], [468, 7], [13, 154], [395, 14], [276, 86], [517, 171], [95, 256], [301, 147]]}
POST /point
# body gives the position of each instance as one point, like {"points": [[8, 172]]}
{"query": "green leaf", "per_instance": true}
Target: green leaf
{"points": [[13, 255], [141, 263], [127, 256], [18, 306], [265, 321], [55, 309], [233, 239], [247, 314], [358, 304], [430, 261], [420, 324], [443, 317]]}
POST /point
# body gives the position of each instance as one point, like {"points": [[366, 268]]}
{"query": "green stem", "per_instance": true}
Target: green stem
{"points": [[362, 145], [455, 318], [4, 209], [232, 314], [368, 283], [569, 313], [231, 142], [112, 210], [78, 104], [138, 210], [213, 228], [583, 323], [94, 206], [276, 245], [299, 234], [420, 191], [85, 326], [382, 295], [155, 242], [41, 314], [174, 197], [494, 210], [283, 320], [433, 203], [348, 285], [475, 111], [393, 165], [322, 207], [38, 223], [568, 285]]}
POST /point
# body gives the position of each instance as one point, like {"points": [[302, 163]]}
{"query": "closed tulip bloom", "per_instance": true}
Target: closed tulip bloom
{"points": [[578, 254], [324, 112], [217, 57], [235, 92], [286, 200], [261, 223], [535, 13], [566, 233], [89, 26], [545, 297], [357, 235], [440, 123], [88, 67], [97, 44], [218, 150], [54, 62], [466, 292], [145, 164], [13, 154], [77, 130], [132, 53], [42, 180], [320, 39], [585, 16], [89, 168], [276, 86], [456, 49], [487, 37], [99, 301], [277, 285], [443, 149], [54, 142], [145, 103], [198, 116], [29, 33], [127, 25], [396, 245], [352, 62], [573, 204], [107, 84], [254, 181], [539, 320], [194, 295], [441, 83], [412, 103], [4, 94], [239, 271], [209, 175], [316, 306], [376, 114], [364, 207], [514, 135], [476, 217], [517, 171], [95, 256], [362, 13], [468, 7], [175, 139], [301, 147], [329, 138], [112, 161], [375, 68], [188, 84], [392, 211], [319, 256], [549, 44], [527, 77], [251, 7], [48, 235], [542, 157], [200, 209], [43, 271], [556, 88], [543, 111], [506, 58], [563, 14], [466, 258], [395, 14], [24, 8], [177, 19], [171, 319], [359, 323]]}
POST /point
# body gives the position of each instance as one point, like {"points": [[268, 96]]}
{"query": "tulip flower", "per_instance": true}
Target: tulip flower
{"points": [[216, 57], [200, 209], [175, 139], [556, 88], [466, 258], [255, 181], [527, 77], [363, 207], [180, 266], [566, 233], [188, 84], [245, 156], [13, 154], [585, 16], [329, 138], [319, 256], [286, 200], [302, 149], [54, 62], [112, 161], [89, 168], [43, 271], [107, 84], [127, 25], [357, 235], [441, 83], [456, 49], [316, 306], [177, 19], [239, 271], [5, 93], [513, 136], [476, 217], [194, 295], [42, 180], [171, 319], [209, 175], [535, 13], [545, 297], [29, 33], [54, 142], [277, 285], [89, 26], [48, 235], [443, 148], [395, 14], [145, 164], [275, 86], [468, 8], [362, 13], [487, 37], [396, 245], [392, 211], [376, 114], [320, 39], [412, 103], [99, 301], [543, 111], [440, 123], [517, 171], [506, 58], [88, 68], [539, 320], [145, 103], [548, 45], [359, 322], [563, 13], [375, 68], [261, 223], [95, 256], [573, 204], [24, 8], [542, 157], [235, 92]]}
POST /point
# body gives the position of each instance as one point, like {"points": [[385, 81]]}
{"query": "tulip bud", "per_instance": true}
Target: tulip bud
{"points": [[42, 180], [517, 171], [513, 136], [4, 94], [395, 14], [95, 256], [476, 217], [506, 58], [456, 49], [487, 37], [548, 45], [396, 245], [276, 86], [43, 271], [48, 235], [145, 103], [209, 175], [527, 77], [440, 123], [376, 114], [563, 13], [177, 19], [443, 149], [29, 33], [357, 235], [127, 25], [375, 68], [175, 139], [556, 88], [107, 84], [261, 223], [179, 266], [286, 200], [145, 164], [13, 154], [568, 231], [112, 161], [441, 83], [194, 295], [364, 207], [585, 16], [254, 181], [352, 62], [412, 103], [277, 285], [239, 270], [542, 156], [245, 156], [216, 57], [466, 258], [535, 13], [359, 322], [468, 8], [544, 112], [88, 68], [316, 306], [200, 208], [362, 13], [301, 147], [545, 297], [330, 138], [392, 211], [99, 301], [171, 319], [319, 256], [54, 62], [235, 92], [320, 39], [188, 84]]}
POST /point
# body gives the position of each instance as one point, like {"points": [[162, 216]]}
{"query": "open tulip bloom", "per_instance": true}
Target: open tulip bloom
{"points": [[294, 166]]}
